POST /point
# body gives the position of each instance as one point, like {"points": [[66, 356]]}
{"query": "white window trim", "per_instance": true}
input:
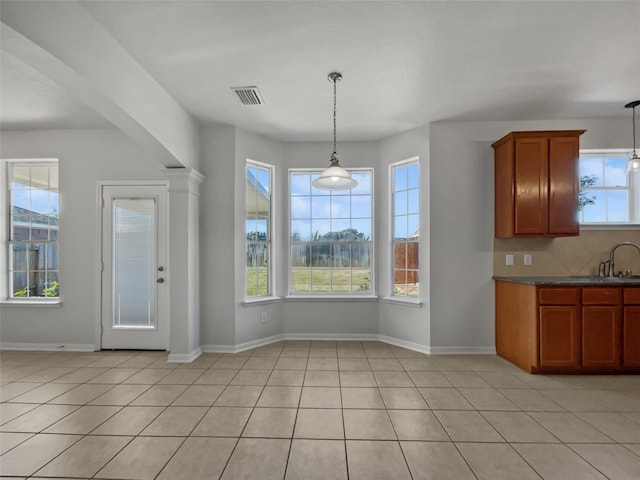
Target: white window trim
{"points": [[291, 296], [249, 301], [633, 189], [270, 297], [407, 301], [338, 297], [5, 296], [391, 298]]}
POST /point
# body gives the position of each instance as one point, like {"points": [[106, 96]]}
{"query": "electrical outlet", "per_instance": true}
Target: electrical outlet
{"points": [[263, 317], [509, 260], [527, 259]]}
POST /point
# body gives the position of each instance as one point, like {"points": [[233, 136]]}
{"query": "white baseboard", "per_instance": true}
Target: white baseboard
{"points": [[463, 350], [184, 357], [261, 342], [241, 347], [398, 342], [354, 337], [49, 347], [416, 347]]}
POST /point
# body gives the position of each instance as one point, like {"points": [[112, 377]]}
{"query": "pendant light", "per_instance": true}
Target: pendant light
{"points": [[334, 177], [634, 160]]}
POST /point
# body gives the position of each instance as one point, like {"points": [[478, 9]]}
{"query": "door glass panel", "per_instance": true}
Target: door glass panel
{"points": [[134, 253]]}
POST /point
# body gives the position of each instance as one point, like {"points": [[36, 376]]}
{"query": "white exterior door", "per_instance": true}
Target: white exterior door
{"points": [[134, 267]]}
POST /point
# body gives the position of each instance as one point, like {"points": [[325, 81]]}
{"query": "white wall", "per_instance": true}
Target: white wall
{"points": [[250, 146], [406, 322], [226, 321], [85, 157], [461, 180], [217, 241]]}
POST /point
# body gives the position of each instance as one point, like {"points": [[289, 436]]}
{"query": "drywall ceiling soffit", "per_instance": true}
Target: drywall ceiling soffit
{"points": [[54, 38], [405, 64]]}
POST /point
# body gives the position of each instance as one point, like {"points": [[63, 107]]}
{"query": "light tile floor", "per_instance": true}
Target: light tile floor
{"points": [[311, 410]]}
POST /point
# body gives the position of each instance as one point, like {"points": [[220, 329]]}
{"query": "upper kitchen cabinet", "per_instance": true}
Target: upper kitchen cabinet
{"points": [[536, 184]]}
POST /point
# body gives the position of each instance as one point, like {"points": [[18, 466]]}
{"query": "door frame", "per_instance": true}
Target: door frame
{"points": [[100, 184]]}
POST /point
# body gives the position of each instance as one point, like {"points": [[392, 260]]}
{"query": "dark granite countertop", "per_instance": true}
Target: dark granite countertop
{"points": [[576, 281]]}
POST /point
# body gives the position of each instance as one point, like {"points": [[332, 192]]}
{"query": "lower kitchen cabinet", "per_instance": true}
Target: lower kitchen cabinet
{"points": [[601, 337], [631, 337], [631, 328], [559, 336], [601, 327], [569, 329]]}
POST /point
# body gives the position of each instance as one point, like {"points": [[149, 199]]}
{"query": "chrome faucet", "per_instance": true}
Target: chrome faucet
{"points": [[612, 253]]}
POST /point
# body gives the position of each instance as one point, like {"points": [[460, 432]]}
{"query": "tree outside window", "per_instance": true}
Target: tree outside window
{"points": [[606, 190], [258, 224]]}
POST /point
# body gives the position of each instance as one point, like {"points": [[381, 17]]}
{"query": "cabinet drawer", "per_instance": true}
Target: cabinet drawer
{"points": [[558, 296], [600, 296], [632, 296]]}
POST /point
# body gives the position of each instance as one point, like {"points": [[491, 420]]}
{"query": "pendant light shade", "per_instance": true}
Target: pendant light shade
{"points": [[334, 177], [634, 161]]}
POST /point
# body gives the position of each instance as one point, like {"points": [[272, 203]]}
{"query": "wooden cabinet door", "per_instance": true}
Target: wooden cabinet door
{"points": [[563, 185], [631, 336], [504, 188], [559, 336], [601, 336], [531, 186]]}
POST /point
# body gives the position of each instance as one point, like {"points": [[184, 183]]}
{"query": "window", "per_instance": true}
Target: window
{"points": [[33, 229], [606, 191], [259, 226], [405, 220], [331, 236]]}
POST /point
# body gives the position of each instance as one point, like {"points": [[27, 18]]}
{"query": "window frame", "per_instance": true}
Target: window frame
{"points": [[371, 294], [392, 294], [270, 242], [7, 205], [633, 193]]}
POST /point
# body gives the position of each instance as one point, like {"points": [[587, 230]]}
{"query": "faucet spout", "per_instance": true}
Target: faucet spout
{"points": [[613, 252]]}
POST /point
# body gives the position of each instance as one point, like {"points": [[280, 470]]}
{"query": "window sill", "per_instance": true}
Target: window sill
{"points": [[32, 303], [609, 226], [332, 298], [408, 302], [247, 302]]}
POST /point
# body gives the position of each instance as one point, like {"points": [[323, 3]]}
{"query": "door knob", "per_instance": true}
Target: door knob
{"points": [[161, 269], [160, 280]]}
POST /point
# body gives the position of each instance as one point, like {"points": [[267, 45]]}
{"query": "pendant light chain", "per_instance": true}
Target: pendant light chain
{"points": [[633, 123], [335, 150], [632, 106], [334, 177], [633, 164]]}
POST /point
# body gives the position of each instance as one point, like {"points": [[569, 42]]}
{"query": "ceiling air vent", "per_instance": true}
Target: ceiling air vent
{"points": [[248, 95]]}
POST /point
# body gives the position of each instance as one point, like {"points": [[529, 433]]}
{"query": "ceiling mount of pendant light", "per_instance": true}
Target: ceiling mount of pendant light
{"points": [[634, 160], [334, 177]]}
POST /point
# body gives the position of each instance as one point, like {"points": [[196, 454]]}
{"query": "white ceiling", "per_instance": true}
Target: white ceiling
{"points": [[404, 64]]}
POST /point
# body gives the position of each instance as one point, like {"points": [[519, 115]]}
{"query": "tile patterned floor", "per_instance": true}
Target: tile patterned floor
{"points": [[311, 410]]}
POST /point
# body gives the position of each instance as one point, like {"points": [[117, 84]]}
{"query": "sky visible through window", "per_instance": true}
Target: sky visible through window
{"points": [[35, 200], [319, 212], [605, 189]]}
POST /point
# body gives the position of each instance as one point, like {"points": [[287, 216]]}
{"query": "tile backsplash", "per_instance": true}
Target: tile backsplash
{"points": [[562, 256]]}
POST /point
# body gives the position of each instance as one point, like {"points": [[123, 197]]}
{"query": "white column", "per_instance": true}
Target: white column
{"points": [[183, 273]]}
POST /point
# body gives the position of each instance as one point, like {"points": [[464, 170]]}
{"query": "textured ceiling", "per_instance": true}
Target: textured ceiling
{"points": [[404, 64]]}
